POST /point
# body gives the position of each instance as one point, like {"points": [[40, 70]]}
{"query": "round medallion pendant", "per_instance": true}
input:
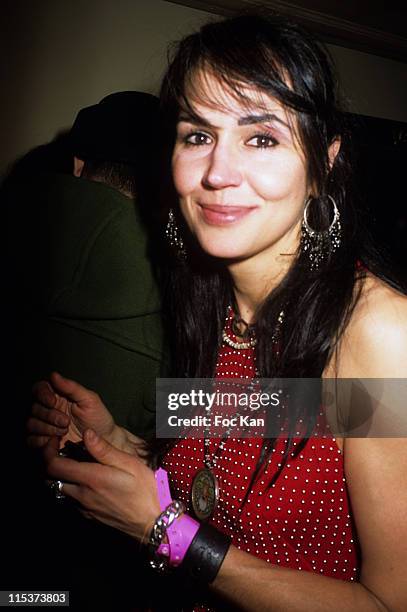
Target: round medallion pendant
{"points": [[205, 494]]}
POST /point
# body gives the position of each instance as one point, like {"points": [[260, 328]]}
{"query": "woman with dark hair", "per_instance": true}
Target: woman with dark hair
{"points": [[273, 279]]}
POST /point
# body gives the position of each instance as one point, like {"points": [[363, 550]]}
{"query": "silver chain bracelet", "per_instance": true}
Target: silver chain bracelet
{"points": [[166, 518]]}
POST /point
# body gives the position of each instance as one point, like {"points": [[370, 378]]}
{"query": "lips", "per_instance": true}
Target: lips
{"points": [[221, 214]]}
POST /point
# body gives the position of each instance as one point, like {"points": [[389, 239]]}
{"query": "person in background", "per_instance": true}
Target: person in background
{"points": [[88, 302], [83, 265]]}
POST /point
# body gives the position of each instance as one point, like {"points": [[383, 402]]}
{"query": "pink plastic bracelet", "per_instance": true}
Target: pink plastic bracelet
{"points": [[163, 488], [181, 532], [164, 497]]}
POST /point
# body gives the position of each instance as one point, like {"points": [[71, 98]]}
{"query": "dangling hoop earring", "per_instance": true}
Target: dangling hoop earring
{"points": [[174, 237], [320, 244]]}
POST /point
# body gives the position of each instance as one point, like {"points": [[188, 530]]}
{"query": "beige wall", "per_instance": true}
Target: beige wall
{"points": [[374, 85], [60, 55]]}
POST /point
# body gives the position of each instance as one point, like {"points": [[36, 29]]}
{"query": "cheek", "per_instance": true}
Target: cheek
{"points": [[185, 180], [185, 174], [178, 172], [280, 180]]}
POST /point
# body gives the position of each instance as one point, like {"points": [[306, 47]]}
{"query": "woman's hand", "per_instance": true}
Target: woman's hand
{"points": [[119, 490], [65, 409]]}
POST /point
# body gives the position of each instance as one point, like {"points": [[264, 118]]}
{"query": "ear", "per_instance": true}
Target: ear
{"points": [[333, 151], [78, 165]]}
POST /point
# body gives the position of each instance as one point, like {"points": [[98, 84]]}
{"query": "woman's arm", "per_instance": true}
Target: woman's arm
{"points": [[377, 480], [120, 491], [248, 583]]}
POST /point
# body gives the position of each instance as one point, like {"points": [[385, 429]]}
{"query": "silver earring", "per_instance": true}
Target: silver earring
{"points": [[174, 237], [318, 245]]}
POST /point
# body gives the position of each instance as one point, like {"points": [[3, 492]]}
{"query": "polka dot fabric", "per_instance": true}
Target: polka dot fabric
{"points": [[303, 521]]}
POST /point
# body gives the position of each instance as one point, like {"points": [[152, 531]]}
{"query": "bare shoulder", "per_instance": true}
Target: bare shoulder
{"points": [[374, 343], [380, 308]]}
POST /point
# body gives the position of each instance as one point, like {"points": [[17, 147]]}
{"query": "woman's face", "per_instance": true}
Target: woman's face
{"points": [[240, 174]]}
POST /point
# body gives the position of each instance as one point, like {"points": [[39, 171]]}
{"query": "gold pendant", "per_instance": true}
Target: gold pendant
{"points": [[205, 494]]}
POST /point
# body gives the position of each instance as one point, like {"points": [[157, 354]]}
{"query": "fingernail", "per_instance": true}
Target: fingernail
{"points": [[91, 435]]}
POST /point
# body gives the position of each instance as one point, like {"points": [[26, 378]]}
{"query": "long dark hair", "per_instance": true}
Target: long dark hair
{"points": [[276, 57]]}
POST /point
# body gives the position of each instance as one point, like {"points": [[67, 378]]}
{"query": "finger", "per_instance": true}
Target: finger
{"points": [[86, 514], [68, 470], [71, 389], [36, 427], [107, 454], [73, 491], [50, 415], [43, 392], [79, 495], [36, 442]]}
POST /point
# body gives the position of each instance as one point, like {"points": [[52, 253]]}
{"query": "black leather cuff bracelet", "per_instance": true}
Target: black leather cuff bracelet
{"points": [[205, 554]]}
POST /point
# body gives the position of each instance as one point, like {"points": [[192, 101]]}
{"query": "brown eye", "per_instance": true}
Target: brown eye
{"points": [[197, 139], [262, 141]]}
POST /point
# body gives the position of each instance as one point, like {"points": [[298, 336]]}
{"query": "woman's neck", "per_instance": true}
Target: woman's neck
{"points": [[254, 278]]}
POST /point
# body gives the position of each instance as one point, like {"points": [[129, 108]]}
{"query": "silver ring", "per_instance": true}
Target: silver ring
{"points": [[57, 486]]}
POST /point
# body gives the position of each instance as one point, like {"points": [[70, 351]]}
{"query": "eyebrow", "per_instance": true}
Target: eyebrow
{"points": [[266, 117], [192, 117]]}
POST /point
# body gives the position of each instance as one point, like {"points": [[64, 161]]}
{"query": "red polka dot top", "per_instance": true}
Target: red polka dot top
{"points": [[303, 521]]}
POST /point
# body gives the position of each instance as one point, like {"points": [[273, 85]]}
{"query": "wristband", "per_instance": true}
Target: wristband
{"points": [[161, 524], [205, 554], [164, 498], [163, 488], [179, 533]]}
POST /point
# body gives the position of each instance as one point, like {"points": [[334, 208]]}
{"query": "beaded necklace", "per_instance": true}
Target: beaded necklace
{"points": [[241, 329], [205, 486]]}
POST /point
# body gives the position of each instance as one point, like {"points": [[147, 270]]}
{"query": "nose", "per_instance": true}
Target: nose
{"points": [[222, 170]]}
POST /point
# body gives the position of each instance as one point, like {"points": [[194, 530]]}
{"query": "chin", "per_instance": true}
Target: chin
{"points": [[223, 250]]}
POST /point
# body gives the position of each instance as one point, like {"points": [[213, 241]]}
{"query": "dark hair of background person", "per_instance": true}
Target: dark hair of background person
{"points": [[280, 59], [119, 175], [118, 140]]}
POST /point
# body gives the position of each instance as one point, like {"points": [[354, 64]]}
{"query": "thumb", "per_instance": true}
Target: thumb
{"points": [[71, 389], [105, 453]]}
